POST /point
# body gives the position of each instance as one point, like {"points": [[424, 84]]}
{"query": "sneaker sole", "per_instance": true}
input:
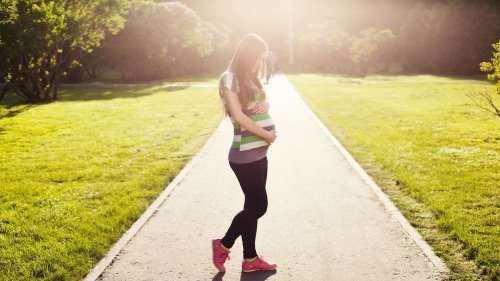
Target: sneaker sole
{"points": [[253, 270], [213, 260]]}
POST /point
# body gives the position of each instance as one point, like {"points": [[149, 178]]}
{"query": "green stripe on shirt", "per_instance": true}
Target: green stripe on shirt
{"points": [[259, 117], [250, 139]]}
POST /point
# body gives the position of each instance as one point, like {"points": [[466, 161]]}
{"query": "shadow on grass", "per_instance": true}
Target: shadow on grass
{"points": [[108, 93], [113, 77], [394, 76], [6, 110], [13, 104]]}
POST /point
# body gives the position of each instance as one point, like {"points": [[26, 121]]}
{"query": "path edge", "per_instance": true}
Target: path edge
{"points": [[108, 259], [386, 201]]}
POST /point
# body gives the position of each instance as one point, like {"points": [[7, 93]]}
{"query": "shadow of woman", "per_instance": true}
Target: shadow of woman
{"points": [[218, 276], [249, 276], [257, 275]]}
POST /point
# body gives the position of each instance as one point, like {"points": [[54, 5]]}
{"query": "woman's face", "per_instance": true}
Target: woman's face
{"points": [[258, 63]]}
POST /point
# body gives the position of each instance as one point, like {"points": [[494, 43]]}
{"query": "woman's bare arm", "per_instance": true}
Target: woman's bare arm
{"points": [[233, 104]]}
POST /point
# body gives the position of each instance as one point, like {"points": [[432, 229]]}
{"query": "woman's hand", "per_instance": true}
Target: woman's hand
{"points": [[260, 108], [271, 137]]}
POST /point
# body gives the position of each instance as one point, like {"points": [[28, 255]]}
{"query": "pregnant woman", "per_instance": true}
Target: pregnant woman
{"points": [[244, 101]]}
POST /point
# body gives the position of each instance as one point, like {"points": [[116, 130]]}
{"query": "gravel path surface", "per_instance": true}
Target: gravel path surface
{"points": [[324, 221]]}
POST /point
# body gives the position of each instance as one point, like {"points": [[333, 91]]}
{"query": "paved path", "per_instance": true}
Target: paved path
{"points": [[324, 221]]}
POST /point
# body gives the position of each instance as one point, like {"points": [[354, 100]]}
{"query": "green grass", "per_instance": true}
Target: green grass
{"points": [[434, 153], [76, 173]]}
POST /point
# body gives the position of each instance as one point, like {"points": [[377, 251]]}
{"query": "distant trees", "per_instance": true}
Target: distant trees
{"points": [[40, 41], [372, 46], [415, 40], [449, 37], [326, 47], [218, 38], [159, 41], [439, 37]]}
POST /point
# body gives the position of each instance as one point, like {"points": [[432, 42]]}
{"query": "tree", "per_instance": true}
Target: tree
{"points": [[484, 100], [447, 37], [323, 47], [460, 29], [217, 39], [160, 40], [41, 41], [493, 66], [366, 44]]}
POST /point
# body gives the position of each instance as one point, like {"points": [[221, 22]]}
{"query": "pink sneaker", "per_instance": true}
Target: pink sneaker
{"points": [[219, 255], [258, 264]]}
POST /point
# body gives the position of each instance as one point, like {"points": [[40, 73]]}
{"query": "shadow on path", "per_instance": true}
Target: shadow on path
{"points": [[250, 276], [257, 275]]}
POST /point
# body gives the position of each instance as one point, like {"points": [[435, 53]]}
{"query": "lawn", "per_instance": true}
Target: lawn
{"points": [[430, 149], [77, 173]]}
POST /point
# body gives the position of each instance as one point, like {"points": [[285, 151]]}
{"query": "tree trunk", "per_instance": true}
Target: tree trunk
{"points": [[4, 91], [55, 94]]}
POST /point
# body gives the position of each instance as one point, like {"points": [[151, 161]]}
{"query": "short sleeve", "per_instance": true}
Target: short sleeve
{"points": [[228, 80]]}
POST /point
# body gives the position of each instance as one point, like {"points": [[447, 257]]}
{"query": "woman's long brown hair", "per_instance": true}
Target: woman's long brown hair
{"points": [[248, 52]]}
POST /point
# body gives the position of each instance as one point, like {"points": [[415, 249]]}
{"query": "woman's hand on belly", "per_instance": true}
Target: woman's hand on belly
{"points": [[271, 137], [260, 107]]}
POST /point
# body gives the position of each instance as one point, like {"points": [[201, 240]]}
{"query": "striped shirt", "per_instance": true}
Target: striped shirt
{"points": [[246, 146]]}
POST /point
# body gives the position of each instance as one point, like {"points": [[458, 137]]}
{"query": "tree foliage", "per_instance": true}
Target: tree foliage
{"points": [[162, 40], [492, 67], [370, 42], [327, 47], [484, 99], [323, 47], [40, 41], [448, 37]]}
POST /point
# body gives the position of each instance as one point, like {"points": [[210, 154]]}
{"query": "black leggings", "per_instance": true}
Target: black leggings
{"points": [[252, 177]]}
